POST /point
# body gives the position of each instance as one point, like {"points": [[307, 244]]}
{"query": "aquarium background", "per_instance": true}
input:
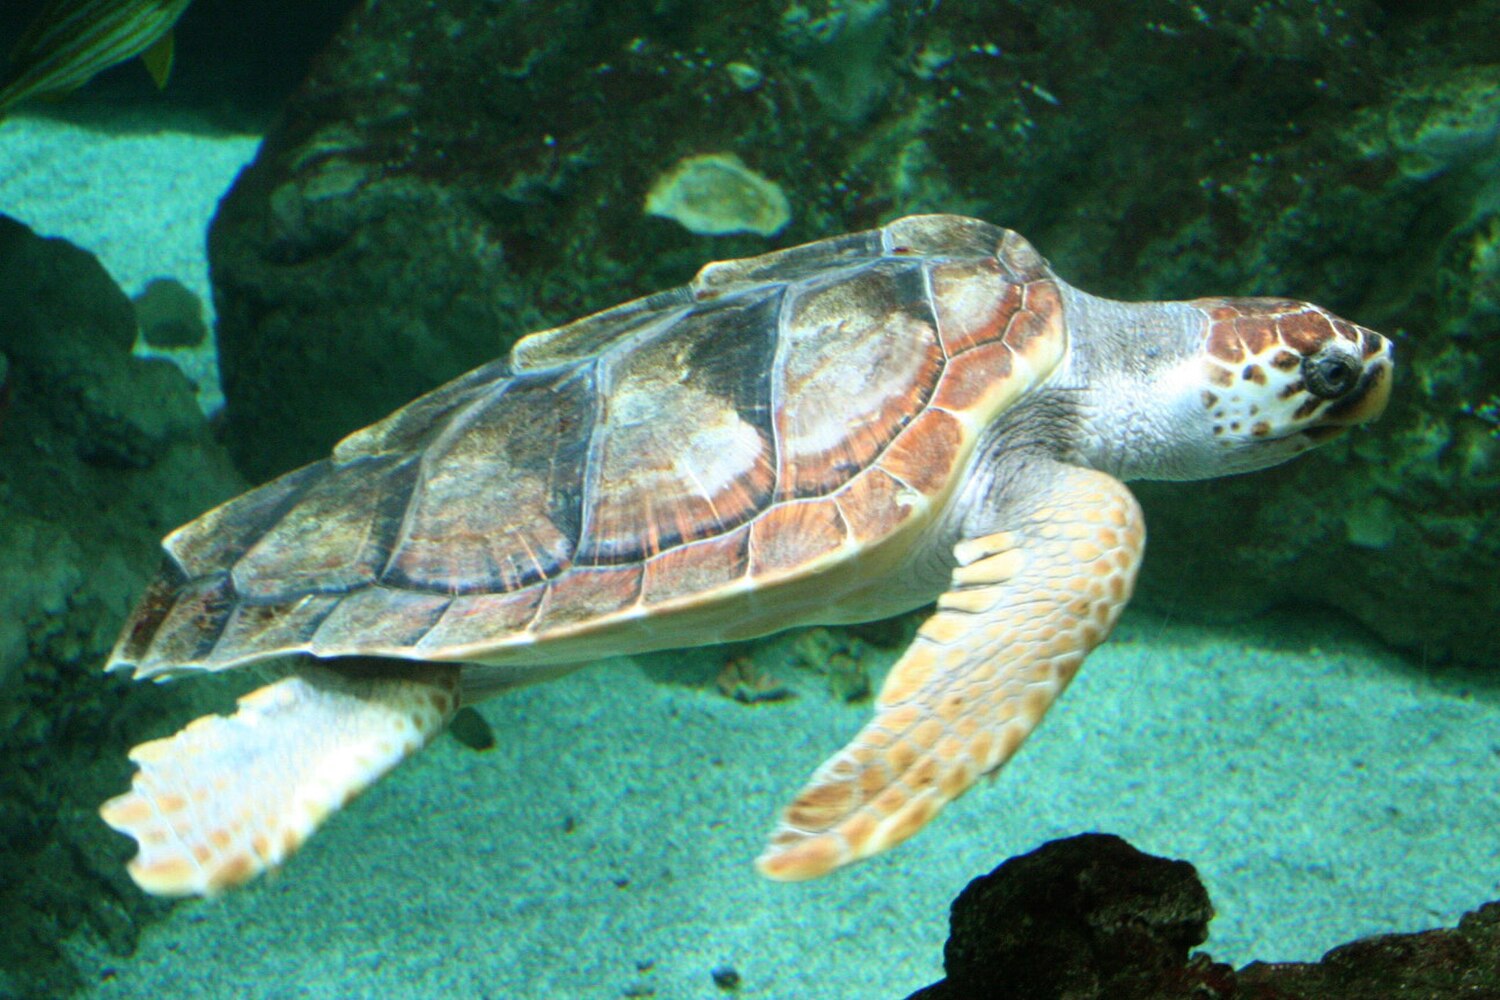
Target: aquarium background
{"points": [[1302, 702]]}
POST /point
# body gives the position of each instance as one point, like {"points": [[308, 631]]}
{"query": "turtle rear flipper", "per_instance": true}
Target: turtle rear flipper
{"points": [[231, 796]]}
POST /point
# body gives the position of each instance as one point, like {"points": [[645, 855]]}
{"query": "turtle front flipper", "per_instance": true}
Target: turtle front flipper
{"points": [[1026, 604], [231, 796]]}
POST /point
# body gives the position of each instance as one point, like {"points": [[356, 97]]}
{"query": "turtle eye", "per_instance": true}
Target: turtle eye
{"points": [[1329, 375]]}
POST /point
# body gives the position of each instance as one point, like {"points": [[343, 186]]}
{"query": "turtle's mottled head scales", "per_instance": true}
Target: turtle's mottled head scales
{"points": [[1285, 376], [1212, 387]]}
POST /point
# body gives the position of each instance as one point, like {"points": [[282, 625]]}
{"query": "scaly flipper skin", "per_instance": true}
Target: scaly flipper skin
{"points": [[1026, 605], [231, 796]]}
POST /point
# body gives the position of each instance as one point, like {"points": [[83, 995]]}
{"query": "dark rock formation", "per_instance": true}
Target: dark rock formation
{"points": [[1404, 195], [1083, 918], [170, 315], [1092, 918], [101, 454], [444, 183], [1445, 964]]}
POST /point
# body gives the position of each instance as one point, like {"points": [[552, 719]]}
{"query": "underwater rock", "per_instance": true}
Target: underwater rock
{"points": [[170, 315], [842, 46], [1086, 917], [742, 680], [1439, 121], [68, 331], [100, 454], [442, 185], [1092, 918], [842, 659], [1462, 961], [1411, 548], [715, 194]]}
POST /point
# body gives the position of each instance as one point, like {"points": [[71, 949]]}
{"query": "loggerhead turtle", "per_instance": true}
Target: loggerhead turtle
{"points": [[830, 433]]}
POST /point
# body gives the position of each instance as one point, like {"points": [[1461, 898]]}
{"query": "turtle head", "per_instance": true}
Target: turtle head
{"points": [[1211, 387], [1281, 377]]}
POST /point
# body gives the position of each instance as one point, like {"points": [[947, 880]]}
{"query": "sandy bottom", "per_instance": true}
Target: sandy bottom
{"points": [[138, 198], [1324, 788]]}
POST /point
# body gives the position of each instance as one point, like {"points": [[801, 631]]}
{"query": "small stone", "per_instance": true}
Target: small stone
{"points": [[726, 978], [472, 730], [743, 681], [715, 194], [170, 315]]}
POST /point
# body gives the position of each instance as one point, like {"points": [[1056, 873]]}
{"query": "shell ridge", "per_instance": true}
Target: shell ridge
{"points": [[923, 406], [315, 637], [380, 462], [778, 394], [930, 297], [789, 264], [621, 523], [213, 630], [903, 281], [556, 346], [453, 426], [149, 614], [601, 375], [294, 484], [377, 531], [461, 420], [417, 418], [807, 284], [790, 293], [239, 608], [538, 610]]}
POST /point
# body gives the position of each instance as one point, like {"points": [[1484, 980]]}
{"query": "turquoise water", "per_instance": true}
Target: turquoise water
{"points": [[1325, 787]]}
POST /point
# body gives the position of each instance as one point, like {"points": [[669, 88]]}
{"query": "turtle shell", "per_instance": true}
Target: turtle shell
{"points": [[717, 461]]}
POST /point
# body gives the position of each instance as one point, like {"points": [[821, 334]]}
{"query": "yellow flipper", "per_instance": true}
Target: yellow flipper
{"points": [[1026, 605], [231, 796]]}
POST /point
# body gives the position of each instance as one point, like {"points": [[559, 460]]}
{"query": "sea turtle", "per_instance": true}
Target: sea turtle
{"points": [[831, 433]]}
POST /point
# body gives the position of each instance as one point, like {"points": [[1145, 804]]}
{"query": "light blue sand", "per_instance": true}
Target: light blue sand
{"points": [[1325, 792], [139, 199], [1325, 788]]}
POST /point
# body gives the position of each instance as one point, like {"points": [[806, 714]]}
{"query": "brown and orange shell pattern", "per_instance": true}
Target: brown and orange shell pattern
{"points": [[769, 423]]}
